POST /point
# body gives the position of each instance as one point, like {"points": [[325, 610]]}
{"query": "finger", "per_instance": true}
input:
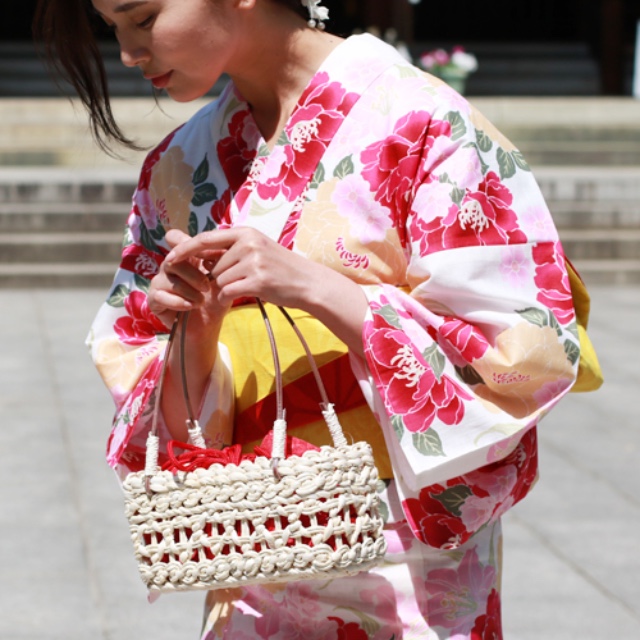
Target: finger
{"points": [[190, 274], [207, 245], [174, 237]]}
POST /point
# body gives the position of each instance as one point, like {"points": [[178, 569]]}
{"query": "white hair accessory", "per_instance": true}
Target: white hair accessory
{"points": [[317, 13]]}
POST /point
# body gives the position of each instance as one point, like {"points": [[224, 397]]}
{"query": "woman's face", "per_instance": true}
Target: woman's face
{"points": [[182, 46]]}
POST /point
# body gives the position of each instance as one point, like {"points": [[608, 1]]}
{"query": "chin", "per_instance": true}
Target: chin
{"points": [[187, 95]]}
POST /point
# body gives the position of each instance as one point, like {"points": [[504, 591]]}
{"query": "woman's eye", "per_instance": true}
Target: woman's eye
{"points": [[147, 22]]}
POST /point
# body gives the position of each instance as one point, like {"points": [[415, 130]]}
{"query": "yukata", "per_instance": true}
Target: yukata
{"points": [[388, 176]]}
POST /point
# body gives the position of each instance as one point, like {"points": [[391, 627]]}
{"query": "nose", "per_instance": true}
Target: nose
{"points": [[132, 53]]}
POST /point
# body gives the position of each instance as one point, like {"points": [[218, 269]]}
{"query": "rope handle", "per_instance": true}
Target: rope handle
{"points": [[196, 438]]}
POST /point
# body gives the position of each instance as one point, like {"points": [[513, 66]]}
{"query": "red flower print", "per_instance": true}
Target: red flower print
{"points": [[484, 217], [466, 342], [237, 151], [313, 124], [411, 388], [393, 166], [138, 259], [552, 280], [140, 325], [220, 210], [349, 630], [489, 625], [432, 523]]}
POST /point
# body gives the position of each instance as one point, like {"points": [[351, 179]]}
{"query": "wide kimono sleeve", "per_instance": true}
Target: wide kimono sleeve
{"points": [[127, 341], [463, 362]]}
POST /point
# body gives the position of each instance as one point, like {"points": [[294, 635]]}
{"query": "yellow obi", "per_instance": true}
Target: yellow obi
{"points": [[245, 335]]}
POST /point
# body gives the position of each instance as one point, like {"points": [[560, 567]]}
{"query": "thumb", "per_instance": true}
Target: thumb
{"points": [[174, 237]]}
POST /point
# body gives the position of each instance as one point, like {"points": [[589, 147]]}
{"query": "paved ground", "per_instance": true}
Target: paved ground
{"points": [[572, 550]]}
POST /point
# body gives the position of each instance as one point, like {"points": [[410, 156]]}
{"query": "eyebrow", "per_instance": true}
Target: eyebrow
{"points": [[127, 6]]}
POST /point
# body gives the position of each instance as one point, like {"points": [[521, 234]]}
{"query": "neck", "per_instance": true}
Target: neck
{"points": [[274, 69]]}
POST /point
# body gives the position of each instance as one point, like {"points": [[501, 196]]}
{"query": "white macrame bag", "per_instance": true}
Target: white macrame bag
{"points": [[277, 519]]}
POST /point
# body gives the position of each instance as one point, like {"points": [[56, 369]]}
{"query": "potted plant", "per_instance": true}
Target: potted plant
{"points": [[453, 68]]}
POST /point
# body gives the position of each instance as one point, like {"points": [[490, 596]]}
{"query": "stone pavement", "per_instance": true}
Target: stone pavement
{"points": [[572, 549]]}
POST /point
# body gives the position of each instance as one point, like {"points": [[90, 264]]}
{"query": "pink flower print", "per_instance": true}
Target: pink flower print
{"points": [[368, 220], [552, 280], [515, 267], [432, 200], [538, 224], [140, 325], [399, 537], [131, 411], [296, 617], [457, 595]]}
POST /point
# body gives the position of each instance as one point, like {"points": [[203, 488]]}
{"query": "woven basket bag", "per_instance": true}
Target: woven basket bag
{"points": [[263, 520]]}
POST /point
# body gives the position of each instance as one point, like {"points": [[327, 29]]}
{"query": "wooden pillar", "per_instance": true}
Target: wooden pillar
{"points": [[612, 47], [388, 13]]}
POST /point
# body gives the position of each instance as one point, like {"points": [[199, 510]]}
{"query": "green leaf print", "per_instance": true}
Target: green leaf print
{"points": [[118, 296], [318, 176], [204, 193], [553, 323], [210, 225], [484, 141], [283, 139], [428, 443], [453, 498], [398, 426], [535, 316], [147, 240], [572, 350], [158, 233], [573, 330], [457, 195], [506, 164], [345, 168], [142, 284], [202, 172], [518, 158], [435, 359], [390, 315], [192, 229], [458, 126]]}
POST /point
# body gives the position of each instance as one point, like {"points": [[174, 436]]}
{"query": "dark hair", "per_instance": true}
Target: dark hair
{"points": [[66, 30]]}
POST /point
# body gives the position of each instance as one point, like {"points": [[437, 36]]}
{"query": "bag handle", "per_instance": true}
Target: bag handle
{"points": [[279, 426]]}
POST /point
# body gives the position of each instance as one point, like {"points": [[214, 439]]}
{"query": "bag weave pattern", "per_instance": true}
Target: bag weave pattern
{"points": [[234, 525]]}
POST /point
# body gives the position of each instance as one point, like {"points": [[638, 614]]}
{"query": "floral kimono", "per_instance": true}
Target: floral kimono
{"points": [[388, 176]]}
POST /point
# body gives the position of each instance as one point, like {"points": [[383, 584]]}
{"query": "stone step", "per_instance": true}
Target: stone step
{"points": [[62, 217], [609, 272], [56, 275], [601, 244], [101, 247]]}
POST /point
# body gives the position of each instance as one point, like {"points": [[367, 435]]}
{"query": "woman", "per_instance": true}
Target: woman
{"points": [[334, 178]]}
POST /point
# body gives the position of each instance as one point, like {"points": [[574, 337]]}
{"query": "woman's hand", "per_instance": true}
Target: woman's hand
{"points": [[246, 263], [183, 285]]}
